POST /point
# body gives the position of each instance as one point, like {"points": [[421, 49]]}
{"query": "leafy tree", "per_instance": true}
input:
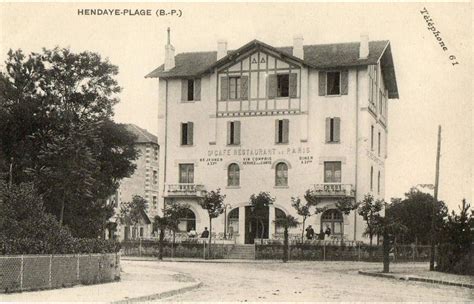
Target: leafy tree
{"points": [[415, 212], [388, 227], [174, 212], [259, 210], [286, 222], [213, 202], [161, 223], [132, 213], [370, 209], [313, 198], [456, 241], [346, 205], [56, 131], [303, 211]]}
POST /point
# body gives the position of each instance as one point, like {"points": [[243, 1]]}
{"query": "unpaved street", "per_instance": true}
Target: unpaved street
{"points": [[304, 281]]}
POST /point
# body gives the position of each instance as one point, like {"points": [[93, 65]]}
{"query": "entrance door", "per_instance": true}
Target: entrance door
{"points": [[253, 227]]}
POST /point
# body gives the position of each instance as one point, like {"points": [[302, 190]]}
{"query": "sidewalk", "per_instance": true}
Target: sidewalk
{"points": [[138, 283], [422, 274]]}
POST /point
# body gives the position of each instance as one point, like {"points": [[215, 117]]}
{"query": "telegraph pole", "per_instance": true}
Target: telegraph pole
{"points": [[435, 202]]}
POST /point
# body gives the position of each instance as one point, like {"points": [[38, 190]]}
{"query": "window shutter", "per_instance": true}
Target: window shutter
{"points": [[322, 83], [184, 90], [276, 130], [328, 129], [224, 88], [237, 132], [197, 89], [286, 130], [344, 82], [190, 133], [182, 134], [228, 132], [244, 87], [337, 129], [272, 86], [293, 85]]}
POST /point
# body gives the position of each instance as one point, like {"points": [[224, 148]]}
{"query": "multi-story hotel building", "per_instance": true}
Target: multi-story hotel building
{"points": [[143, 182], [275, 119]]}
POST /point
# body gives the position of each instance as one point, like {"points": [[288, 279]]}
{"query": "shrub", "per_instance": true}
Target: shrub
{"points": [[25, 227]]}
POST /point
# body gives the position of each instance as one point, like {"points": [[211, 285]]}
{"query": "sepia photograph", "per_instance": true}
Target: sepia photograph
{"points": [[236, 152]]}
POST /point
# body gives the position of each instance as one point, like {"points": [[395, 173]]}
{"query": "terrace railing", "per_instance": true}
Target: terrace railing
{"points": [[184, 190], [334, 190]]}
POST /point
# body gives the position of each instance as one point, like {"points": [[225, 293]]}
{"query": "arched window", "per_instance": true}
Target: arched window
{"points": [[333, 219], [187, 222], [279, 214], [233, 175], [233, 222], [281, 174]]}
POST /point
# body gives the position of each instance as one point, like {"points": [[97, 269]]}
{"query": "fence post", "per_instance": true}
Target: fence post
{"points": [[78, 275], [140, 247], [21, 273], [358, 251], [50, 267], [204, 250], [324, 251]]}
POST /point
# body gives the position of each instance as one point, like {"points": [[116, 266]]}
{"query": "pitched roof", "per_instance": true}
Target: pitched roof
{"points": [[143, 136], [318, 56]]}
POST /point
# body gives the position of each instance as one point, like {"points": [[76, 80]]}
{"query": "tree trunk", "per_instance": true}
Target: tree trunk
{"points": [[370, 247], [302, 232], [61, 214], [386, 253], [210, 237], [256, 227], [285, 245], [160, 250], [174, 242]]}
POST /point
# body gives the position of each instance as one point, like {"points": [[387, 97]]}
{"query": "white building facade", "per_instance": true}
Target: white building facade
{"points": [[275, 119]]}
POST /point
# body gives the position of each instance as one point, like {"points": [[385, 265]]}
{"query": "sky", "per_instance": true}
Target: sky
{"points": [[432, 90]]}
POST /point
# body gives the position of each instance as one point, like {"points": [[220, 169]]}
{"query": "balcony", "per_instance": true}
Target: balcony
{"points": [[334, 190], [184, 190]]}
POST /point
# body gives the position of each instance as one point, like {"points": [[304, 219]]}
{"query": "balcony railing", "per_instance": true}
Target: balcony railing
{"points": [[334, 190], [184, 190]]}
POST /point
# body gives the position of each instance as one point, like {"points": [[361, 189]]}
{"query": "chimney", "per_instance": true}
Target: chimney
{"points": [[221, 48], [298, 46], [169, 54], [364, 46]]}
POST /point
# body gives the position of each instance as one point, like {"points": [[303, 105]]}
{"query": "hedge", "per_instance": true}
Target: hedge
{"points": [[64, 246], [455, 259], [188, 249]]}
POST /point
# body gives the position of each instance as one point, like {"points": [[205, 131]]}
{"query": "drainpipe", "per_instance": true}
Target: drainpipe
{"points": [[166, 142], [356, 150]]}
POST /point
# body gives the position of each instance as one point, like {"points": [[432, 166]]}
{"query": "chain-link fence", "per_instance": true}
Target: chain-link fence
{"points": [[32, 272]]}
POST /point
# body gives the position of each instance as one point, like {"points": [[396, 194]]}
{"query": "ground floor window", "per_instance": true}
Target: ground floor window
{"points": [[332, 221], [233, 222], [187, 222]]}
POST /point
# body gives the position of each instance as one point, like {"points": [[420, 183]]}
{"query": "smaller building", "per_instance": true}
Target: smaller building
{"points": [[143, 182]]}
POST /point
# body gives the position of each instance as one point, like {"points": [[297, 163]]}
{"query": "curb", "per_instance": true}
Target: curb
{"points": [[217, 261], [160, 295], [416, 279]]}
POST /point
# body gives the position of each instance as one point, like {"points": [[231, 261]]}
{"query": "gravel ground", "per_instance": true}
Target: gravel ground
{"points": [[306, 281]]}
